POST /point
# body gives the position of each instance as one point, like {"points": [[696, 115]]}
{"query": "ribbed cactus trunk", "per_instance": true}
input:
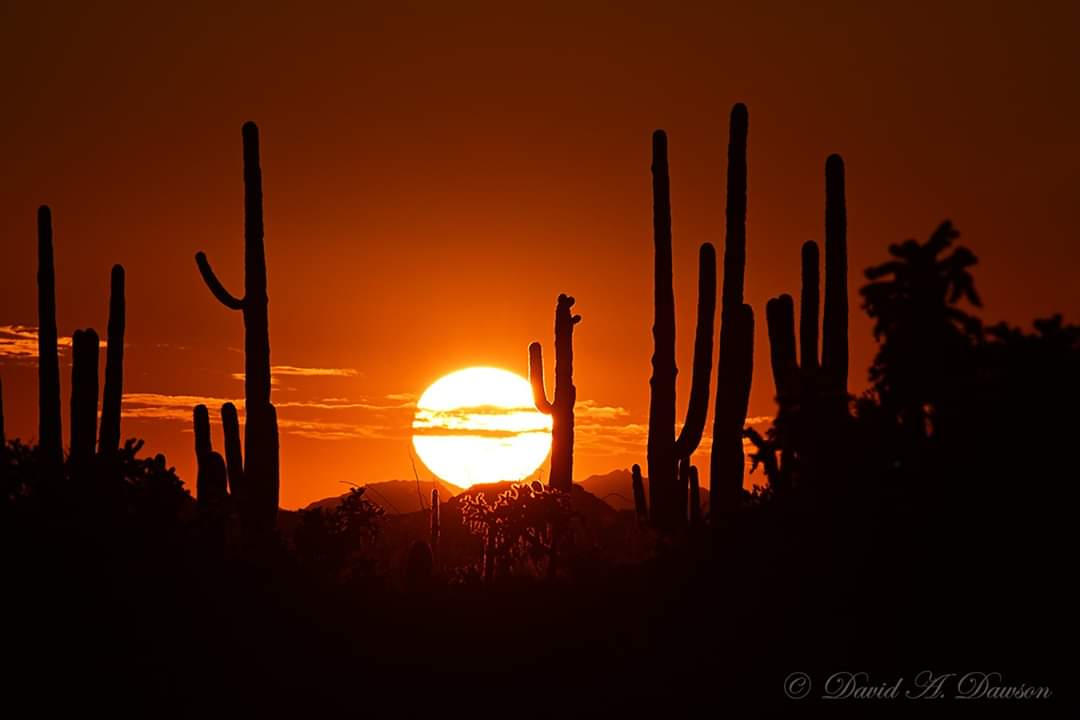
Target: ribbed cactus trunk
{"points": [[261, 460], [736, 358], [665, 451], [112, 395], [660, 453], [234, 457], [84, 395], [50, 435], [561, 407]]}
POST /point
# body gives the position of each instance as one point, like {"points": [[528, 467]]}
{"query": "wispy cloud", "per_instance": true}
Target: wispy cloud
{"points": [[159, 406], [320, 430], [20, 342], [312, 372], [340, 404], [178, 408], [591, 409], [278, 371]]}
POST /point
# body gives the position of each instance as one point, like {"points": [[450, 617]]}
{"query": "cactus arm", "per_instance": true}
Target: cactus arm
{"points": [[808, 310], [210, 481], [234, 457], [536, 378], [200, 418], [216, 288], [698, 408], [780, 315], [744, 368]]}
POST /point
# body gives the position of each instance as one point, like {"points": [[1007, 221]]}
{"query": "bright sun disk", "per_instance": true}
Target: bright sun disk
{"points": [[479, 425]]}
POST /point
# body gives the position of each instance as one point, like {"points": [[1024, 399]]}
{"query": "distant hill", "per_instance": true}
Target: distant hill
{"points": [[616, 488], [396, 497]]}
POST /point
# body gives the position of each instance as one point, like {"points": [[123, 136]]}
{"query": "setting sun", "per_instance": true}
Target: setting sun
{"points": [[479, 425]]}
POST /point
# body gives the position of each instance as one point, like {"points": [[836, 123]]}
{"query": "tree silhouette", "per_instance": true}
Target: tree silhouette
{"points": [[926, 340]]}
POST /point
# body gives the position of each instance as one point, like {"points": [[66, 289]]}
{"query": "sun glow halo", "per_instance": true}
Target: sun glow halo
{"points": [[479, 425]]}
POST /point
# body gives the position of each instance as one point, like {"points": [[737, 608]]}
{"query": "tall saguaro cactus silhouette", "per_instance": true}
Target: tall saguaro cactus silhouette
{"points": [[50, 435], [261, 463], [812, 395], [561, 406], [736, 359], [667, 497], [109, 439]]}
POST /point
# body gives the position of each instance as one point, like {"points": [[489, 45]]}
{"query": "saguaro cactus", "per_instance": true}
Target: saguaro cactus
{"points": [[234, 458], [50, 435], [665, 451], [261, 462], [3, 437], [210, 480], [561, 407], [826, 380], [109, 439], [200, 423], [84, 394], [736, 360], [812, 395]]}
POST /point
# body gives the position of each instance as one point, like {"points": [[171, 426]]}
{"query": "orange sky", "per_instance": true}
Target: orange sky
{"points": [[436, 176]]}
